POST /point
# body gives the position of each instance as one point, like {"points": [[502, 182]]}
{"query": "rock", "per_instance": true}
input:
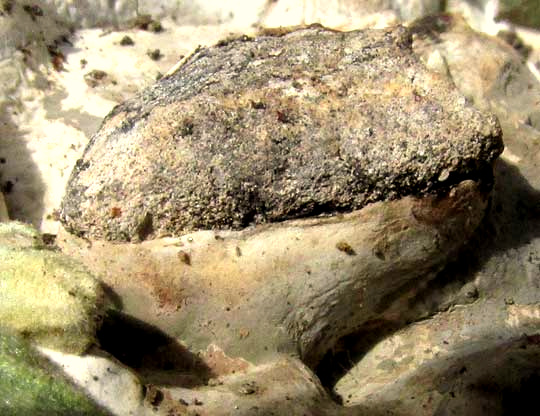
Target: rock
{"points": [[474, 352], [520, 12], [41, 106], [495, 78], [259, 131], [46, 296], [30, 385]]}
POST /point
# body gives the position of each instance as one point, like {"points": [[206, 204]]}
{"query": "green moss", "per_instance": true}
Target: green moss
{"points": [[46, 296], [30, 385]]}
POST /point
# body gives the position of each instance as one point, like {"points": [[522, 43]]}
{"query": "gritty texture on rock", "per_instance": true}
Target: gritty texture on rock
{"points": [[278, 127]]}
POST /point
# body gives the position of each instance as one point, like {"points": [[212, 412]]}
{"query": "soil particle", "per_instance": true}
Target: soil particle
{"points": [[94, 77], [154, 54], [127, 41], [346, 248]]}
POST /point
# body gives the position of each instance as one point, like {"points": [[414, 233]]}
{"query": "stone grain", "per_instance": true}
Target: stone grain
{"points": [[283, 126]]}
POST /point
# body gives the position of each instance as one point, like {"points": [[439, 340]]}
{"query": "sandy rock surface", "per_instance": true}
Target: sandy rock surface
{"points": [[279, 127]]}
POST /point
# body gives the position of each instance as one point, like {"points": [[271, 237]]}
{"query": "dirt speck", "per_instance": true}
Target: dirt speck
{"points": [[127, 41], [248, 388], [154, 54], [94, 77], [116, 212], [6, 6], [154, 396], [346, 248], [184, 257]]}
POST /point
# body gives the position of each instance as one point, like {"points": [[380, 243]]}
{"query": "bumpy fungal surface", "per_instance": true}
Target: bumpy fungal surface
{"points": [[310, 122], [45, 296]]}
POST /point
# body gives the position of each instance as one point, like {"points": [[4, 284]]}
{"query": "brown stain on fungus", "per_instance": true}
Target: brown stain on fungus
{"points": [[433, 210], [283, 116]]}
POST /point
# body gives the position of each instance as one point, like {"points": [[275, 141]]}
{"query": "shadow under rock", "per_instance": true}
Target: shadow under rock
{"points": [[501, 380], [20, 179], [511, 223], [515, 208], [157, 358]]}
